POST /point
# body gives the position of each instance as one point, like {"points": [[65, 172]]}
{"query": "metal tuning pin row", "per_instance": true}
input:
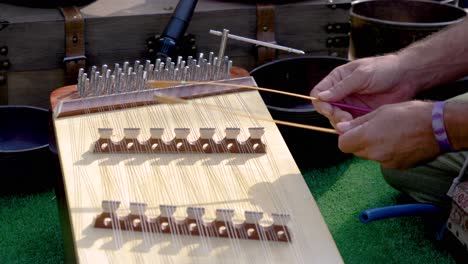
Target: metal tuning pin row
{"points": [[128, 78]]}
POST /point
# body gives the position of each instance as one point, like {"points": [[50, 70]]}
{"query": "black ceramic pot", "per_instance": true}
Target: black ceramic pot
{"points": [[384, 26], [310, 149], [25, 160]]}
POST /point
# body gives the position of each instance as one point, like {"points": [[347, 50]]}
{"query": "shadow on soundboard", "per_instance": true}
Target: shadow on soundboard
{"points": [[132, 159]]}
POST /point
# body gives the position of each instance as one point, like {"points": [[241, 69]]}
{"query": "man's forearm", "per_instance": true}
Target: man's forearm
{"points": [[456, 124], [438, 59]]}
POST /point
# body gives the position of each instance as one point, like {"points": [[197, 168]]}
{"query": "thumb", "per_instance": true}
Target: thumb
{"points": [[348, 125]]}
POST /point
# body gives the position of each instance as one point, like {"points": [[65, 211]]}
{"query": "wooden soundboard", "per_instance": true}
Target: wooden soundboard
{"points": [[268, 183]]}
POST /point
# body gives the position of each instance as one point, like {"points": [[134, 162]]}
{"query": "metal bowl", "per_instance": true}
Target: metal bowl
{"points": [[384, 26]]}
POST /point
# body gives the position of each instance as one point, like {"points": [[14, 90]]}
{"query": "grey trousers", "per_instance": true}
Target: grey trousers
{"points": [[428, 183]]}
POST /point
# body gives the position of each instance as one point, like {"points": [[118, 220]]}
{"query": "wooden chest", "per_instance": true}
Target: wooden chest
{"points": [[32, 40]]}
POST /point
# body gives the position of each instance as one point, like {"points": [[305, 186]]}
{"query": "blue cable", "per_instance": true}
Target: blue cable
{"points": [[398, 211]]}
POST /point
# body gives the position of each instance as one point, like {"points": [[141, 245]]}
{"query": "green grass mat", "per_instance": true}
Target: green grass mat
{"points": [[30, 233], [342, 192], [29, 230]]}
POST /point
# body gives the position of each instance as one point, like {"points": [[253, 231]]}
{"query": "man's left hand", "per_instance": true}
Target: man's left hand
{"points": [[396, 135]]}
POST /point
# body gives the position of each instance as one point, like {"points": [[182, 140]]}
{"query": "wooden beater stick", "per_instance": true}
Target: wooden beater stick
{"points": [[165, 84], [172, 100]]}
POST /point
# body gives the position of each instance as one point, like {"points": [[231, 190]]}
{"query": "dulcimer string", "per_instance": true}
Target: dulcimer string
{"points": [[166, 84], [268, 252], [222, 184], [181, 117], [113, 178], [260, 174], [257, 167], [172, 100], [273, 194], [223, 109], [131, 119]]}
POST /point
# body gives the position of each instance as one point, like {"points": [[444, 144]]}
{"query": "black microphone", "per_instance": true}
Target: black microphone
{"points": [[168, 44]]}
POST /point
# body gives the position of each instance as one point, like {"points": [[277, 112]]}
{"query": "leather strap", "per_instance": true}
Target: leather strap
{"points": [[265, 32], [3, 87], [74, 43]]}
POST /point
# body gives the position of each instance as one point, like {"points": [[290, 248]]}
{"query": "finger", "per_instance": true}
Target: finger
{"points": [[390, 164], [332, 78], [345, 126], [324, 108], [353, 133], [325, 84], [396, 164], [333, 113], [339, 116], [351, 141], [352, 83], [363, 154]]}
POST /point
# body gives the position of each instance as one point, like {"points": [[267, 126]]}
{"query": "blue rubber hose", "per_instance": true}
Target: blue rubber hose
{"points": [[398, 211]]}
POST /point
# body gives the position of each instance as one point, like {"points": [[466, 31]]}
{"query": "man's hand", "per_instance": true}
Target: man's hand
{"points": [[369, 82], [396, 135]]}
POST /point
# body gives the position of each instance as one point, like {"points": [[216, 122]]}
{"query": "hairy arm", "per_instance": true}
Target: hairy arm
{"points": [[396, 77], [438, 59], [398, 133]]}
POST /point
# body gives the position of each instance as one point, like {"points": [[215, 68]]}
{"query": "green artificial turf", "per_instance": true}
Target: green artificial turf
{"points": [[343, 191], [30, 233], [29, 229]]}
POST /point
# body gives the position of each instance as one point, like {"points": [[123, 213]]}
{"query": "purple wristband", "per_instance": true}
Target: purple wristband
{"points": [[438, 127]]}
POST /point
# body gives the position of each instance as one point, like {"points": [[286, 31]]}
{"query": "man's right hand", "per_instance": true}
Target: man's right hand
{"points": [[369, 82]]}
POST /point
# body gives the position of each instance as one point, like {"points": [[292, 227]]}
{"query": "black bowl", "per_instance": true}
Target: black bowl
{"points": [[310, 149], [25, 159]]}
